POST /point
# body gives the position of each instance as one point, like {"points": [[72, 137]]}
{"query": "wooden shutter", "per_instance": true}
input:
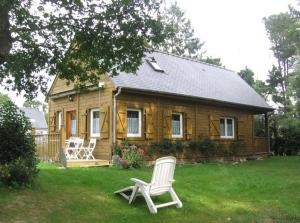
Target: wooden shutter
{"points": [[121, 121], [148, 123], [214, 127], [83, 124], [188, 130], [167, 126], [104, 123]]}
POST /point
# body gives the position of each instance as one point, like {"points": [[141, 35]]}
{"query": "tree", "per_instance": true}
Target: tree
{"points": [[283, 35], [78, 40], [213, 60], [247, 75], [259, 86], [32, 104], [180, 36]]}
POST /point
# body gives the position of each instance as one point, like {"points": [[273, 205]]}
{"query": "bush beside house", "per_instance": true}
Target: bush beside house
{"points": [[18, 163]]}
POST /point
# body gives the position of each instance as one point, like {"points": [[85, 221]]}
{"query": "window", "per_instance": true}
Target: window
{"points": [[72, 123], [134, 125], [177, 125], [59, 115], [95, 123], [154, 64], [227, 128]]}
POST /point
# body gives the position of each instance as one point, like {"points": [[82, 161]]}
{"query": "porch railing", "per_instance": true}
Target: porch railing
{"points": [[48, 146]]}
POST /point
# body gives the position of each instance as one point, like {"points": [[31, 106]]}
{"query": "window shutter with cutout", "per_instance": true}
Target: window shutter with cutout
{"points": [[148, 123], [188, 130], [167, 123], [214, 127], [121, 121], [104, 123]]}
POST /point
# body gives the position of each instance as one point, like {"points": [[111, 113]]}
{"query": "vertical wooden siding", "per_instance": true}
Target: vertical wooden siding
{"points": [[199, 120], [82, 103]]}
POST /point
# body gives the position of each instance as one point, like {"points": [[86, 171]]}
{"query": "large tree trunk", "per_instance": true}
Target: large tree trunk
{"points": [[5, 35]]}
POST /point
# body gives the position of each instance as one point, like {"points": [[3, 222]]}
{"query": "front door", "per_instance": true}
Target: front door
{"points": [[71, 124]]}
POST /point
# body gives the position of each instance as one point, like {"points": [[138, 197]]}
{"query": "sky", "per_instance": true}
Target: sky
{"points": [[231, 29]]}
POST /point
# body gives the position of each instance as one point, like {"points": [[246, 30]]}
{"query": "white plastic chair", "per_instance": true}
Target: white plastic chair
{"points": [[73, 148], [161, 183], [88, 151]]}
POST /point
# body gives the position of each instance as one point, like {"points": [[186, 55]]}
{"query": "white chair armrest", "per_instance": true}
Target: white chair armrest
{"points": [[139, 181]]}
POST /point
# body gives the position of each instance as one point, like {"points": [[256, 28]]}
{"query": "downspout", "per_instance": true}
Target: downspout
{"points": [[115, 115]]}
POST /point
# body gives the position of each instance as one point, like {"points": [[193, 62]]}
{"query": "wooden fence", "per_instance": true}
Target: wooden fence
{"points": [[48, 146]]}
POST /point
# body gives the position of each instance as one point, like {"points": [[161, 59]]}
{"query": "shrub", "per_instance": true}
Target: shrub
{"points": [[131, 156], [233, 149], [167, 146], [208, 147], [17, 149]]}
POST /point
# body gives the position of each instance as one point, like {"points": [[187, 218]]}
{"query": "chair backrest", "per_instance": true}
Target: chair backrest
{"points": [[163, 175], [92, 143], [79, 142]]}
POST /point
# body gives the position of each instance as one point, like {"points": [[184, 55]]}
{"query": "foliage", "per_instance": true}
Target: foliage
{"points": [[167, 146], [285, 136], [79, 40], [131, 155], [17, 149], [208, 147], [212, 60], [283, 35], [180, 38], [247, 75], [261, 88], [233, 149]]}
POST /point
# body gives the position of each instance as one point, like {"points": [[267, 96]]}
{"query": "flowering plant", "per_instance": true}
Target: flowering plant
{"points": [[131, 156]]}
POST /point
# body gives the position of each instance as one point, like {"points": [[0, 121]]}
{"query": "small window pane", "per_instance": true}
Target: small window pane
{"points": [[59, 120], [176, 125], [229, 127], [222, 127], [73, 124], [95, 116], [133, 122]]}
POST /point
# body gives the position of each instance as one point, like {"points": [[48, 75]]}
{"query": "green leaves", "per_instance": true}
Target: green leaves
{"points": [[79, 40]]}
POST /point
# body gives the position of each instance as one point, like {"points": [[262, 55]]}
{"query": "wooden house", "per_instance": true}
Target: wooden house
{"points": [[170, 97]]}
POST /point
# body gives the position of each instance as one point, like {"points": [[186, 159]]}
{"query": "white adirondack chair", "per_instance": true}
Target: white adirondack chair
{"points": [[161, 183], [88, 151]]}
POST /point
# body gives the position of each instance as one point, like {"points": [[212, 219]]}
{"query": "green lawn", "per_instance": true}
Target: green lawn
{"points": [[255, 191]]}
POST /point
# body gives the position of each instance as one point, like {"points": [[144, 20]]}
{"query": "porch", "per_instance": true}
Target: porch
{"points": [[48, 148]]}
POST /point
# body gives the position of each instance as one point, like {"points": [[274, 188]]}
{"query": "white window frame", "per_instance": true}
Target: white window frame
{"points": [[181, 125], [59, 120], [225, 123], [92, 134], [139, 134]]}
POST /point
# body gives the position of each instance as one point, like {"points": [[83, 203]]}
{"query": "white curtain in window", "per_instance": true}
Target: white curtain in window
{"points": [[222, 127], [229, 127], [176, 124], [73, 124], [96, 127], [133, 122]]}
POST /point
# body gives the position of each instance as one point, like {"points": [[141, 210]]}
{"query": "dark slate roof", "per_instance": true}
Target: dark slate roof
{"points": [[186, 77], [36, 118]]}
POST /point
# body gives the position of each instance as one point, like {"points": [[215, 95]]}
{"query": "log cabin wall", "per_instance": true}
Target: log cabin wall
{"points": [[200, 120], [82, 103]]}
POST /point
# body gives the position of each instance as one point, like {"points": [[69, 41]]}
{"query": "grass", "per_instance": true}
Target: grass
{"points": [[255, 191]]}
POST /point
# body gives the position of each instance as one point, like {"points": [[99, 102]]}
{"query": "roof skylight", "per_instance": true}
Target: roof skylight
{"points": [[154, 64]]}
